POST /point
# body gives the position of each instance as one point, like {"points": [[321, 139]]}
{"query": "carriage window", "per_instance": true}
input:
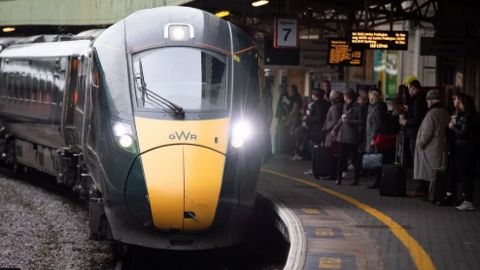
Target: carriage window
{"points": [[48, 90], [17, 87], [11, 82], [55, 90], [28, 87], [41, 89], [4, 85], [23, 85], [34, 95], [191, 78]]}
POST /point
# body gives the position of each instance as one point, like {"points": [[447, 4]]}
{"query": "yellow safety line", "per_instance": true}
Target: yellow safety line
{"points": [[420, 257]]}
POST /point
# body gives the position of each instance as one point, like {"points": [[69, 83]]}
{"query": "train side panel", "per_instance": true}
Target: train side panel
{"points": [[39, 87]]}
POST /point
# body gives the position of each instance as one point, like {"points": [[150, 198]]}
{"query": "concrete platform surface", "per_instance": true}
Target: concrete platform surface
{"points": [[345, 223]]}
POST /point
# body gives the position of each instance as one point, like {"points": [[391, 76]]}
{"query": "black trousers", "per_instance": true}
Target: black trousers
{"points": [[465, 165], [346, 150], [452, 175]]}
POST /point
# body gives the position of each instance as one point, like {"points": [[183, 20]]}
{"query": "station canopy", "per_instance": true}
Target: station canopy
{"points": [[321, 16]]}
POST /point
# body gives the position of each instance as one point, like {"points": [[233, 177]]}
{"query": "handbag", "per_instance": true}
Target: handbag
{"points": [[372, 161]]}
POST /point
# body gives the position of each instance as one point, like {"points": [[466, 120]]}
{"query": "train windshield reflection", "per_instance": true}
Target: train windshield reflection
{"points": [[191, 78]]}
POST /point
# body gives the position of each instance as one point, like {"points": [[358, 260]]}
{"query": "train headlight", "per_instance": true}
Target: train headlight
{"points": [[123, 135], [241, 132], [180, 32], [125, 141]]}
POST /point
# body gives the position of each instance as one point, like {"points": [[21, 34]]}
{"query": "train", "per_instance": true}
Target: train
{"points": [[153, 121]]}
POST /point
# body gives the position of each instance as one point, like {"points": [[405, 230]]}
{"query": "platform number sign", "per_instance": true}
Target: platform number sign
{"points": [[286, 33]]}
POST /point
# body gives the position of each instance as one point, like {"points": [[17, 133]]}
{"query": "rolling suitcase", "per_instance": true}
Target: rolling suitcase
{"points": [[394, 176], [322, 159], [438, 183]]}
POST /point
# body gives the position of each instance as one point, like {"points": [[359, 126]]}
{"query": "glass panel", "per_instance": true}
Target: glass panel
{"points": [[190, 78], [34, 93], [28, 87], [41, 89], [48, 90]]}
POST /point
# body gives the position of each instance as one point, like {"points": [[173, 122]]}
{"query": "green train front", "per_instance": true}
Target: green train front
{"points": [[175, 109]]}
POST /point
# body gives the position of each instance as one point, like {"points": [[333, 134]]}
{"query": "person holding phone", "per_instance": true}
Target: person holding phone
{"points": [[348, 132]]}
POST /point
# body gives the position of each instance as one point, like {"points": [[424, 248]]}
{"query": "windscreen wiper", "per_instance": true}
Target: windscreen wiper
{"points": [[154, 98]]}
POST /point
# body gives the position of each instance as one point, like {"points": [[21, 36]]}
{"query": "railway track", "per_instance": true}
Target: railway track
{"points": [[264, 249]]}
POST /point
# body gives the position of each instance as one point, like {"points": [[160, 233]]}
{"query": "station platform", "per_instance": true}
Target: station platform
{"points": [[354, 228]]}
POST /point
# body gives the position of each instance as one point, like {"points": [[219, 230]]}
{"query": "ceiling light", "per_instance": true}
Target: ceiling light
{"points": [[260, 3], [8, 29], [222, 14]]}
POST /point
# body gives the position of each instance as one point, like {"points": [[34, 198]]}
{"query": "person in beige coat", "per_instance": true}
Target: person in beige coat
{"points": [[430, 143]]}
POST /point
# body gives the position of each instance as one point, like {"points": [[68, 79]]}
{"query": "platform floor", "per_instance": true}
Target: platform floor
{"points": [[407, 233]]}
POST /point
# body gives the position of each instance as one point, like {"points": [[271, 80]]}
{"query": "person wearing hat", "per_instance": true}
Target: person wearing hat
{"points": [[408, 80], [430, 143]]}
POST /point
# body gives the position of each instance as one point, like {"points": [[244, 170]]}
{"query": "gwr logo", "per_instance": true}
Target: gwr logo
{"points": [[179, 136]]}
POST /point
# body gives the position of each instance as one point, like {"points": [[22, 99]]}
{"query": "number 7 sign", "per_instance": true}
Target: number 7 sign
{"points": [[286, 33]]}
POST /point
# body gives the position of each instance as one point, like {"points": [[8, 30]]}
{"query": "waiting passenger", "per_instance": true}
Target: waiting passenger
{"points": [[334, 114], [464, 127], [348, 132], [315, 119], [415, 114], [399, 109], [283, 105], [327, 87], [451, 172], [375, 125], [295, 114], [430, 143], [301, 135]]}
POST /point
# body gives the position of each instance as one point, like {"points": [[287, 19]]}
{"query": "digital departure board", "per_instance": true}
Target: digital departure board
{"points": [[378, 40], [340, 53]]}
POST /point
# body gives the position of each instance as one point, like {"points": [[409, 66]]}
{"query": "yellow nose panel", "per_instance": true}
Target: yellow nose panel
{"points": [[163, 170], [183, 176], [203, 181]]}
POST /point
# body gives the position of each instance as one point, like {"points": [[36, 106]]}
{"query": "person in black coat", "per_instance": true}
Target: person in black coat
{"points": [[465, 130], [416, 111], [316, 118]]}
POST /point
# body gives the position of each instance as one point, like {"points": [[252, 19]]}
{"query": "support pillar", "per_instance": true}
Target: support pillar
{"points": [[307, 87]]}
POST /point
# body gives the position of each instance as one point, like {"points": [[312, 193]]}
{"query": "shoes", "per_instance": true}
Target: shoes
{"points": [[466, 206], [338, 182], [310, 172], [447, 201], [374, 186], [354, 183], [296, 157]]}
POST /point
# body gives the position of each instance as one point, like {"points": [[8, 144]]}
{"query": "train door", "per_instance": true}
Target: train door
{"points": [[80, 97], [91, 127], [70, 93]]}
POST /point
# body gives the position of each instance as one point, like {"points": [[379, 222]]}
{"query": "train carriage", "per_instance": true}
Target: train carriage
{"points": [[155, 120]]}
